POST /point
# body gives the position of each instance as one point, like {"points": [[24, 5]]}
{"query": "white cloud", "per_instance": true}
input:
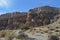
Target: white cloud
{"points": [[4, 3]]}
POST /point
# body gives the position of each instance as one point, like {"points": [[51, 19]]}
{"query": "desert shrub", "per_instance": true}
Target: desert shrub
{"points": [[34, 29], [46, 31], [9, 35], [22, 36], [57, 31], [42, 32], [23, 27], [52, 29], [54, 37], [43, 29], [57, 27], [2, 33]]}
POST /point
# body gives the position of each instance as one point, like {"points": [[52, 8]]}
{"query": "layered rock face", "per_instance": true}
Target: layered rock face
{"points": [[12, 20], [42, 16], [35, 17]]}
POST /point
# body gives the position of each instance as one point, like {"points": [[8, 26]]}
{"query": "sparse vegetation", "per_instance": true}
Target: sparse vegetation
{"points": [[9, 35], [54, 37], [36, 19], [23, 27]]}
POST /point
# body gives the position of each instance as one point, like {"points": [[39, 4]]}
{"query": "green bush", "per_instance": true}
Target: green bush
{"points": [[23, 27]]}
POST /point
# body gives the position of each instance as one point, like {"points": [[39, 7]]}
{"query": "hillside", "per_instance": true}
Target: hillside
{"points": [[35, 17], [41, 23]]}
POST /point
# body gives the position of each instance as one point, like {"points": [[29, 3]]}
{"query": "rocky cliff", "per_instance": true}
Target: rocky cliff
{"points": [[39, 16], [42, 16]]}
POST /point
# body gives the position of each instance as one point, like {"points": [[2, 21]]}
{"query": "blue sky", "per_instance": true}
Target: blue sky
{"points": [[24, 5]]}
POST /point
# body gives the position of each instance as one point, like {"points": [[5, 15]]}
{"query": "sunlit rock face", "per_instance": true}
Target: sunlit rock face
{"points": [[42, 16], [39, 16], [12, 20]]}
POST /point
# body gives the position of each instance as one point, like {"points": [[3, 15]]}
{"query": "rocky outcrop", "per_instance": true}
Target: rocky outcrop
{"points": [[39, 16], [12, 20], [42, 16]]}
